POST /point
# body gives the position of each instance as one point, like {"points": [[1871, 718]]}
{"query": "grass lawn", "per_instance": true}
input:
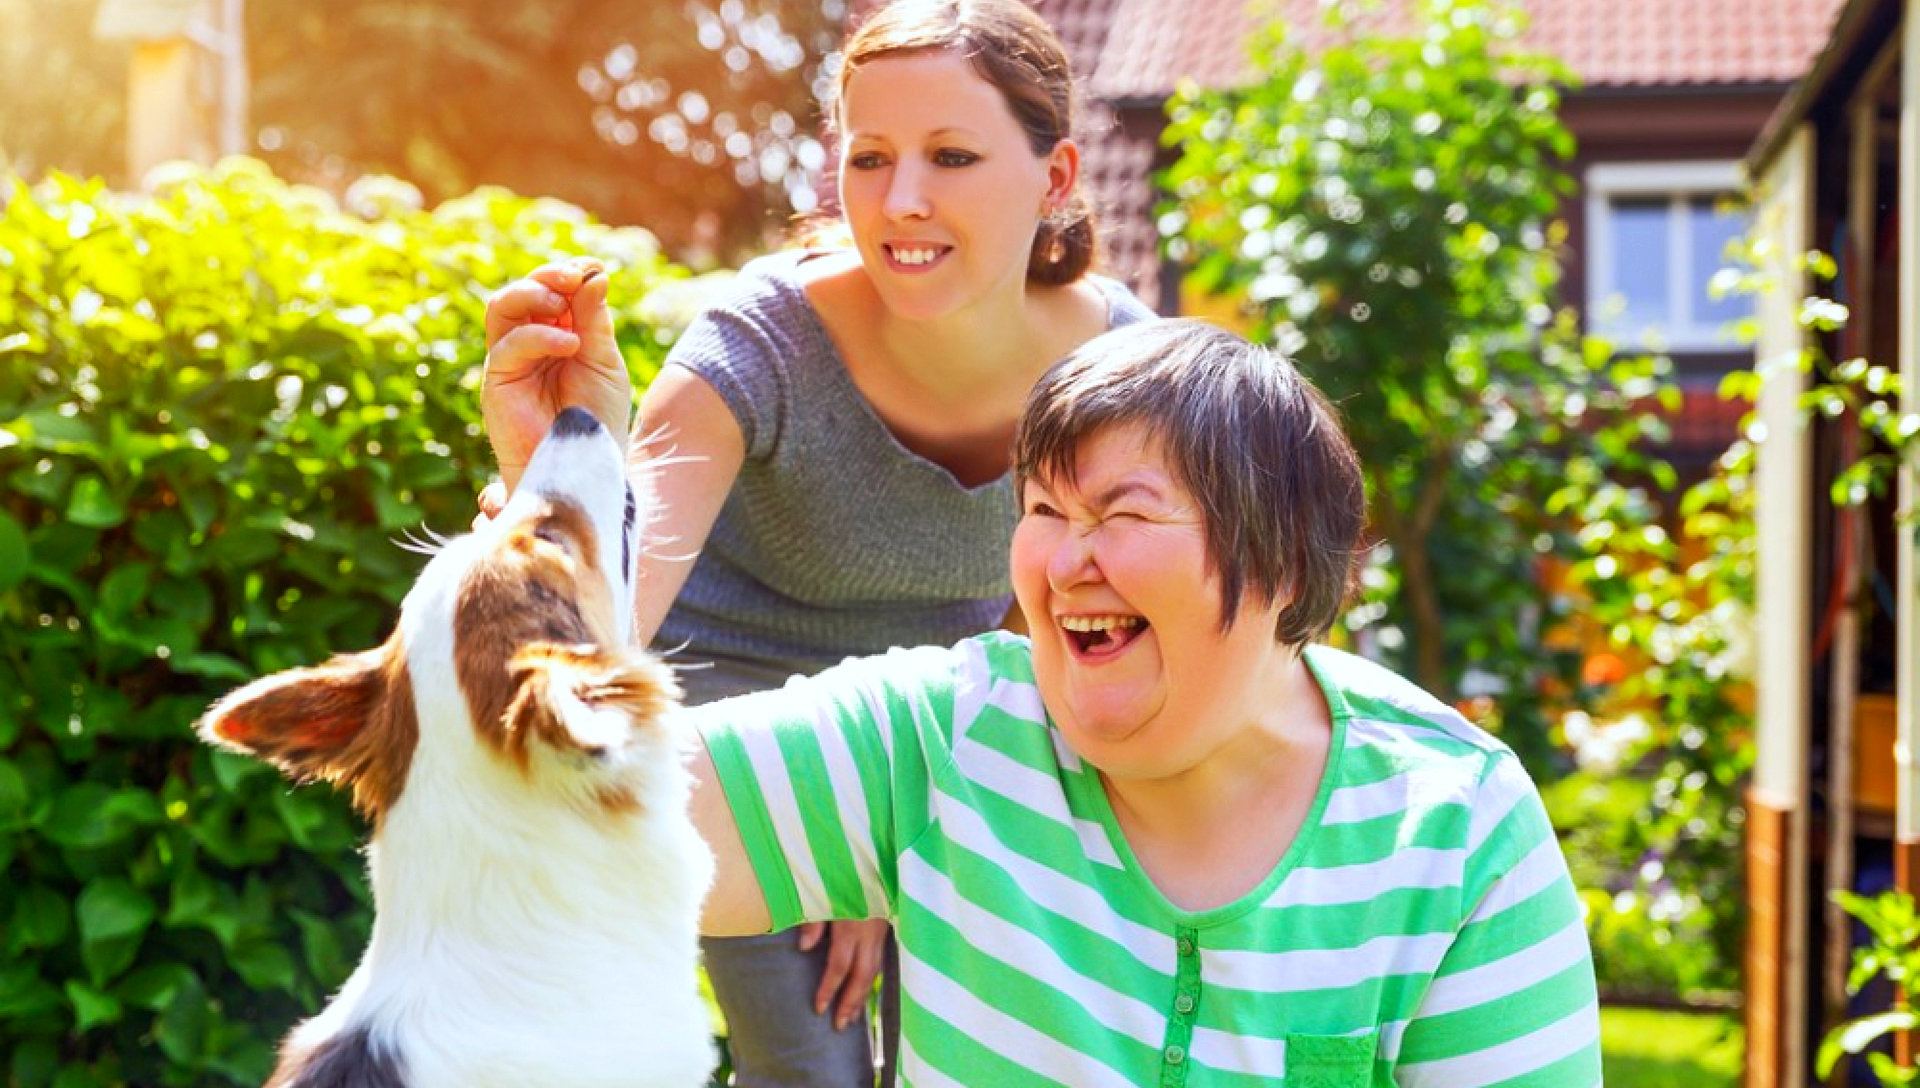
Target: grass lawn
{"points": [[1654, 1048]]}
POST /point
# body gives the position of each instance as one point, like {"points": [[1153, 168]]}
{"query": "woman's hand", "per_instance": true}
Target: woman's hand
{"points": [[550, 346], [855, 951]]}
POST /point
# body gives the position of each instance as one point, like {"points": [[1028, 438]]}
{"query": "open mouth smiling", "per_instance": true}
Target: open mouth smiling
{"points": [[1101, 636], [913, 255]]}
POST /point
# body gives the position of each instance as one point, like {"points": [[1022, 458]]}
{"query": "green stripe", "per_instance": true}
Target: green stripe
{"points": [[995, 891], [750, 815], [1059, 1015], [822, 822], [1501, 1020], [1580, 1069], [1525, 924]]}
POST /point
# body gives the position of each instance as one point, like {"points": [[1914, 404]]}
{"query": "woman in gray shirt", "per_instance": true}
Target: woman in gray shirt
{"points": [[829, 445]]}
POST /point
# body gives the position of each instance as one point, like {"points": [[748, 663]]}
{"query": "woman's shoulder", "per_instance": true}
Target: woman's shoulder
{"points": [[1123, 307]]}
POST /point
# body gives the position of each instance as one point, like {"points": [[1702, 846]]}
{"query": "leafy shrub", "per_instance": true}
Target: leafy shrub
{"points": [[219, 407], [1893, 952]]}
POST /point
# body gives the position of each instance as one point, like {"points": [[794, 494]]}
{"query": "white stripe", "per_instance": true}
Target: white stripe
{"points": [[1248, 1054], [1443, 722], [1328, 968], [971, 686], [1535, 1050], [1036, 791], [1054, 891], [1543, 867], [1016, 699], [877, 713], [992, 936], [1508, 975], [1408, 867], [1097, 844], [1002, 1033], [1006, 777], [1500, 794], [916, 1073], [1391, 1033], [1353, 804], [783, 807], [851, 798]]}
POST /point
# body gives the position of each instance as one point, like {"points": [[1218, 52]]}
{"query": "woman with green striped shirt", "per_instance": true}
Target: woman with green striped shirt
{"points": [[1165, 839]]}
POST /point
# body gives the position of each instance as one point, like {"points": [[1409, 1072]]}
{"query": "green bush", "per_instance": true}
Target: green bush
{"points": [[220, 407]]}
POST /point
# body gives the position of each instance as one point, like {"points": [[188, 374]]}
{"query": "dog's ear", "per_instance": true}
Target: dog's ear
{"points": [[585, 698], [349, 721]]}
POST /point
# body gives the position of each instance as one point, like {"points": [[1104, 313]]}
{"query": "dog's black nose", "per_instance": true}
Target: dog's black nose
{"points": [[575, 422]]}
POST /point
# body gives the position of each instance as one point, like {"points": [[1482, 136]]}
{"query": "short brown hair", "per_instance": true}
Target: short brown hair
{"points": [[1258, 447], [1013, 49]]}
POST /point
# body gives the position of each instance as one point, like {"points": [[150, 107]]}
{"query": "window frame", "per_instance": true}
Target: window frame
{"points": [[1679, 183]]}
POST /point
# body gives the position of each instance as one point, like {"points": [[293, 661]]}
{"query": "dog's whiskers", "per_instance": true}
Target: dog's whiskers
{"points": [[423, 542]]}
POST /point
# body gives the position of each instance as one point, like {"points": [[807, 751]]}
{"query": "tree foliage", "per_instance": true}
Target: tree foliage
{"points": [[1384, 205], [220, 408], [696, 119]]}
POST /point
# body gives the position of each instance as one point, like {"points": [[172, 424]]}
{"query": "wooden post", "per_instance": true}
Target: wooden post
{"points": [[1777, 825]]}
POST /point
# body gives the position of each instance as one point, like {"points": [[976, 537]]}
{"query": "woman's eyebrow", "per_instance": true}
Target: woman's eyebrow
{"points": [[1125, 489]]}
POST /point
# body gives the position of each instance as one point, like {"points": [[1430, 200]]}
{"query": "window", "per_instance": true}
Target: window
{"points": [[1656, 234]]}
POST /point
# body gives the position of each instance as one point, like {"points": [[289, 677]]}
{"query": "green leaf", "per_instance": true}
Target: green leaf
{"points": [[92, 504], [23, 993], [41, 918], [111, 908], [181, 1030], [78, 1076], [13, 794], [14, 553], [34, 1063], [153, 985], [264, 965], [91, 1008], [113, 916], [1856, 1035], [126, 587], [89, 815]]}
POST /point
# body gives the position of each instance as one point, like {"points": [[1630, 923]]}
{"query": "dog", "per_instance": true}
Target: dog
{"points": [[537, 879]]}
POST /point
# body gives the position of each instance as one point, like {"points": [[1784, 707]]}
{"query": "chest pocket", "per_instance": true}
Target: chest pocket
{"points": [[1330, 1061]]}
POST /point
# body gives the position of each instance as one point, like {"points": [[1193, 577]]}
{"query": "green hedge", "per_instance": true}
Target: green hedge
{"points": [[220, 407]]}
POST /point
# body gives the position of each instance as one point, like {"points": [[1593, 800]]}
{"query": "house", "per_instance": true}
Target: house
{"points": [[1835, 801], [1672, 95]]}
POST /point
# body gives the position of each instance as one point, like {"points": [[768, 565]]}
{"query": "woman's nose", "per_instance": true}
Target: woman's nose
{"points": [[907, 193], [1072, 561]]}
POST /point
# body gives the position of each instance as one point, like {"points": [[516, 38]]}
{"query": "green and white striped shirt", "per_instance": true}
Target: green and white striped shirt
{"points": [[1421, 930]]}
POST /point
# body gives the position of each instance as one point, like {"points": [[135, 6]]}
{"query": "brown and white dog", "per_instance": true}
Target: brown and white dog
{"points": [[537, 880]]}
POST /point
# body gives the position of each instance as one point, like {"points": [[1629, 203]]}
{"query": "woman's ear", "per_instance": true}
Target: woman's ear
{"points": [[1063, 174]]}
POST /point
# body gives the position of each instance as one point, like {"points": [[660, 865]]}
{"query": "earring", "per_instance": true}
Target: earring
{"points": [[1056, 247]]}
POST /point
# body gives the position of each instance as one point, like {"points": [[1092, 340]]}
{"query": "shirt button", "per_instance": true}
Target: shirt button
{"points": [[1183, 1004], [1186, 947], [1176, 1055]]}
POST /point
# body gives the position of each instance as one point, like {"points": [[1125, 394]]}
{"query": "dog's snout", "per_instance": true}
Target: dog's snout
{"points": [[574, 423]]}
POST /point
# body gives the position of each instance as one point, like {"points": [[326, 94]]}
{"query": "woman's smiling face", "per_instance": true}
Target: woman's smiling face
{"points": [[938, 182], [1111, 570]]}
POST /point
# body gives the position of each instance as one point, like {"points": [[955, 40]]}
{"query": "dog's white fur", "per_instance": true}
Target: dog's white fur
{"points": [[537, 884]]}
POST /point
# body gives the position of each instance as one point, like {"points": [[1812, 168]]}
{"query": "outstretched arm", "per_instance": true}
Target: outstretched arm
{"points": [[735, 907]]}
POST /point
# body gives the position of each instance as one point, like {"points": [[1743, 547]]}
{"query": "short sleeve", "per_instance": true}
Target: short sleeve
{"points": [[828, 778], [743, 346], [1513, 1001]]}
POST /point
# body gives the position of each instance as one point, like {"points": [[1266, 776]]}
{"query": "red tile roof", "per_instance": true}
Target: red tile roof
{"points": [[1149, 45]]}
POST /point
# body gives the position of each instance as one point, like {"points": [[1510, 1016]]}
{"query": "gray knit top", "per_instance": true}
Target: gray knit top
{"points": [[836, 541]]}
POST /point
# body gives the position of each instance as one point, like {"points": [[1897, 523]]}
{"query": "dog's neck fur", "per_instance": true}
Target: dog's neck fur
{"points": [[536, 876], [487, 891]]}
